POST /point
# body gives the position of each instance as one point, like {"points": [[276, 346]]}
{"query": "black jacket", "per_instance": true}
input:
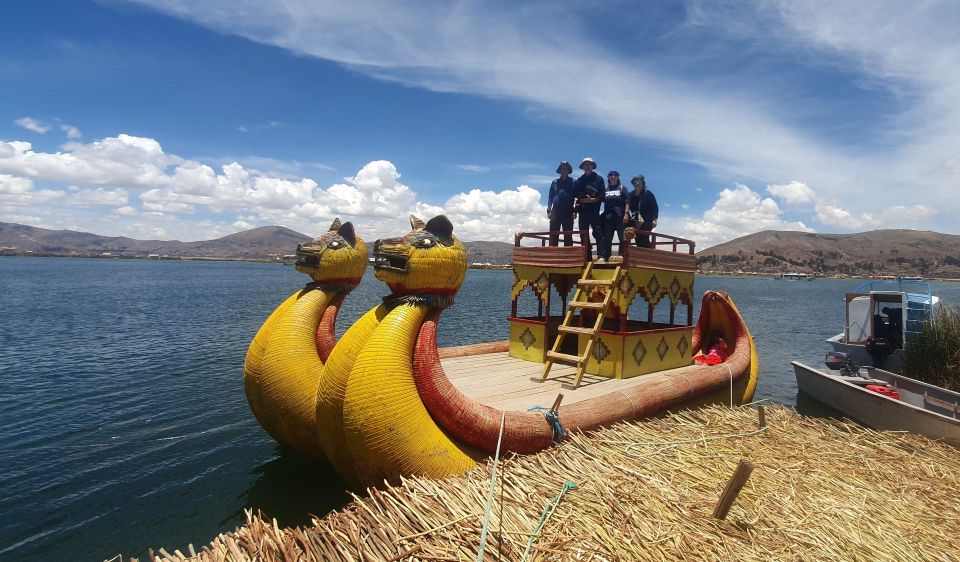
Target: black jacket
{"points": [[592, 186], [646, 204]]}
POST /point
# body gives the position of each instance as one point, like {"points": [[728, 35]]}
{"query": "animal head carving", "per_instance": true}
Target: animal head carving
{"points": [[336, 256], [429, 260]]}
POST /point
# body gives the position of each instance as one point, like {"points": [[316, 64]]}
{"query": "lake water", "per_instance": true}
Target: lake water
{"points": [[123, 420]]}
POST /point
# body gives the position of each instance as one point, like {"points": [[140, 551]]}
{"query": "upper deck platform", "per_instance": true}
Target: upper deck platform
{"points": [[669, 253]]}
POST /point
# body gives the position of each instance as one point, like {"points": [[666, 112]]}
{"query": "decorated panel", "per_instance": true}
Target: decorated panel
{"points": [[653, 285], [527, 340]]}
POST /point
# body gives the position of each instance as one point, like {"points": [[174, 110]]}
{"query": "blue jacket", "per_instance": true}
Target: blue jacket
{"points": [[560, 198]]}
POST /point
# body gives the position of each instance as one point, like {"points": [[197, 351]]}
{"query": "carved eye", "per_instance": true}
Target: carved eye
{"points": [[426, 243], [335, 244]]}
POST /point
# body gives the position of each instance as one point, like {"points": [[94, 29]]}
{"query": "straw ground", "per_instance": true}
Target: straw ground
{"points": [[820, 490]]}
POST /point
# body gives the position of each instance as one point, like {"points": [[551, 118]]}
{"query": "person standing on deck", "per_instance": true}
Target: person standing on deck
{"points": [[614, 215], [643, 210], [560, 205], [589, 189]]}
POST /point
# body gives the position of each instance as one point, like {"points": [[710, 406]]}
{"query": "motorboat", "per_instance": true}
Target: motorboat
{"points": [[883, 319], [881, 399]]}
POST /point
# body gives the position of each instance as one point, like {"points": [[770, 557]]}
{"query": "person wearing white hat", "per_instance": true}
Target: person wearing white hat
{"points": [[589, 189]]}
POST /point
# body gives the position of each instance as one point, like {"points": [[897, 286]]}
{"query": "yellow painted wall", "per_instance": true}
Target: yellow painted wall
{"points": [[527, 341], [624, 356]]}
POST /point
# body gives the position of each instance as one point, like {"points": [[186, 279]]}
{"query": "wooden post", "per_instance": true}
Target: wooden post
{"points": [[689, 314], [649, 316], [763, 417], [734, 485], [556, 403], [673, 311]]}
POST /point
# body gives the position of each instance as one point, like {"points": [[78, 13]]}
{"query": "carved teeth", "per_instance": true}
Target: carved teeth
{"points": [[390, 262]]}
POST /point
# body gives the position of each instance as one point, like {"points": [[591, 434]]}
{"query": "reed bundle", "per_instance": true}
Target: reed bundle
{"points": [[935, 357], [819, 490]]}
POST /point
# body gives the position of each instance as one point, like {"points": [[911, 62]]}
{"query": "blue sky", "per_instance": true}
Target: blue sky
{"points": [[192, 120]]}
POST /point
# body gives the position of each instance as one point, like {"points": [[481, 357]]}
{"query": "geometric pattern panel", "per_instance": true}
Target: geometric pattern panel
{"points": [[657, 350], [652, 285], [527, 340]]}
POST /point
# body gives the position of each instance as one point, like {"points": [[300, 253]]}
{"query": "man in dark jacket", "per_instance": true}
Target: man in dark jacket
{"points": [[560, 205], [643, 210], [589, 189]]}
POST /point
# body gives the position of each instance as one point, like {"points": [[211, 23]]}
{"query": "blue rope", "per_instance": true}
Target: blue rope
{"points": [[553, 418], [547, 509]]}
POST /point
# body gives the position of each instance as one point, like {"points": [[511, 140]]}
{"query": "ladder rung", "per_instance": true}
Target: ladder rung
{"points": [[578, 304], [595, 282], [564, 357], [576, 330]]}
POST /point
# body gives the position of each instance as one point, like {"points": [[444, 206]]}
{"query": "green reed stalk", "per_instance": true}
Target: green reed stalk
{"points": [[935, 359]]}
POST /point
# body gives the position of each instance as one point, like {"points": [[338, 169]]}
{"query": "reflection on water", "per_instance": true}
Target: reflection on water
{"points": [[291, 489], [810, 406]]}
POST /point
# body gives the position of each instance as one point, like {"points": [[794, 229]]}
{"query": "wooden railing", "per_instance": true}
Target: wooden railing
{"points": [[671, 252]]}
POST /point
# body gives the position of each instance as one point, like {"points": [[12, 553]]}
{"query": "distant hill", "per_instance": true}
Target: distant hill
{"points": [[257, 243], [879, 252], [265, 242]]}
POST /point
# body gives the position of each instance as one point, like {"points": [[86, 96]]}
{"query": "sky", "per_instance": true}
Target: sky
{"points": [[194, 119]]}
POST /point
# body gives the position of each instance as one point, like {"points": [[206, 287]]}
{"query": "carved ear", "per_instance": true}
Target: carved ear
{"points": [[416, 223], [441, 227], [335, 225], [347, 232]]}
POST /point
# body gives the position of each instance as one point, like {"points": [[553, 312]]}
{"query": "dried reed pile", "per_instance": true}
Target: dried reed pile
{"points": [[820, 490]]}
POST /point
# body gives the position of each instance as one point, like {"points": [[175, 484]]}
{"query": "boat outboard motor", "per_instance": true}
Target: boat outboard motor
{"points": [[879, 349], [839, 361]]}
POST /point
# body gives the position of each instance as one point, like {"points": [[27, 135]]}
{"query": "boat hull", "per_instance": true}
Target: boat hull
{"points": [[882, 412]]}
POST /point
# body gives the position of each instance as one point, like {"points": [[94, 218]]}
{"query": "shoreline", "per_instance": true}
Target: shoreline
{"points": [[471, 266]]}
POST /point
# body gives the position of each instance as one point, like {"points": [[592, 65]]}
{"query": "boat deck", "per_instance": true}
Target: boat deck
{"points": [[504, 382]]}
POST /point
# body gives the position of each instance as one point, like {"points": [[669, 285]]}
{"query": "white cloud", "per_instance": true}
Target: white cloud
{"points": [[121, 161], [10, 185], [100, 196], [793, 193], [475, 168], [892, 217], [20, 192], [732, 126], [737, 212], [32, 124], [72, 132], [101, 173]]}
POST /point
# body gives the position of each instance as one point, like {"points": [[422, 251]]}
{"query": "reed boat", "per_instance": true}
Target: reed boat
{"points": [[388, 403]]}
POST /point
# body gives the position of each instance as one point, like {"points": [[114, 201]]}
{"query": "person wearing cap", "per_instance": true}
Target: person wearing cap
{"points": [[589, 189], [560, 205], [614, 214], [642, 209]]}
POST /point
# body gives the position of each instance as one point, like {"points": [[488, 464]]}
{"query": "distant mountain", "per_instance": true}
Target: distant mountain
{"points": [[259, 243], [878, 252]]}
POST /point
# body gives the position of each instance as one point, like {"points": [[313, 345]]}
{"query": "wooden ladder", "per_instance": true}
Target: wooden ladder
{"points": [[585, 287]]}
